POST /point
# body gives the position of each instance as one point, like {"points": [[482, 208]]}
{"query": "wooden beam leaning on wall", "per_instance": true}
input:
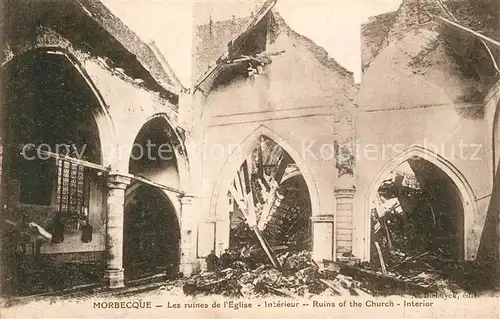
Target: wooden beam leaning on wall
{"points": [[246, 204], [105, 169]]}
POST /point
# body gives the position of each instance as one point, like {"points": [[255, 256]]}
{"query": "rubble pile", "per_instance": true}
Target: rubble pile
{"points": [[427, 273], [300, 277], [416, 246], [219, 282], [297, 277]]}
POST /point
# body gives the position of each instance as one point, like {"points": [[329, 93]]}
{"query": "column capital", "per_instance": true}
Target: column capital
{"points": [[118, 180], [327, 218], [344, 192]]}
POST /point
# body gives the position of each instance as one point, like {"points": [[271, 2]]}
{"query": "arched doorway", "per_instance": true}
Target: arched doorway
{"points": [[151, 233], [418, 205], [269, 201], [152, 228], [49, 107]]}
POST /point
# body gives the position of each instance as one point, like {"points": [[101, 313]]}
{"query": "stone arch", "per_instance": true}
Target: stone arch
{"points": [[467, 196], [131, 192], [180, 151], [104, 121], [179, 148], [245, 147], [166, 234]]}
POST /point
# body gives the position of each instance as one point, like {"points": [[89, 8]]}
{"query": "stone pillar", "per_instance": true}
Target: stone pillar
{"points": [[344, 221], [188, 234], [113, 274], [323, 237], [206, 239], [223, 224], [222, 227]]}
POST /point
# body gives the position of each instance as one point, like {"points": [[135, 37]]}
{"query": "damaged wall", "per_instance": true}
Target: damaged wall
{"points": [[128, 97], [299, 92], [417, 94]]}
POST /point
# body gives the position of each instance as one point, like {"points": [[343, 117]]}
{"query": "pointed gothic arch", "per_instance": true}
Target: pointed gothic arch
{"points": [[234, 161], [467, 196], [104, 121]]}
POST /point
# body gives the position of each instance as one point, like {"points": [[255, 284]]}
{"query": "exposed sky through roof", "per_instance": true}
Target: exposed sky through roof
{"points": [[332, 24]]}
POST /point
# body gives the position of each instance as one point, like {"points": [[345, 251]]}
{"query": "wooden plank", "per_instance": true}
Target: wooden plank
{"points": [[461, 27], [108, 170], [336, 287], [241, 182], [243, 205], [282, 292], [409, 260], [280, 172], [265, 8], [165, 187], [364, 274], [381, 257], [360, 292], [246, 177], [387, 232], [75, 161]]}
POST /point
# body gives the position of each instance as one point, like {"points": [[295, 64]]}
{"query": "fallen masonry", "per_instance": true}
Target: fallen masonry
{"points": [[300, 277]]}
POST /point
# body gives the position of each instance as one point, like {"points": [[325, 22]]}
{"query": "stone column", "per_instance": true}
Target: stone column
{"points": [[223, 225], [188, 234], [344, 221], [323, 237], [113, 274], [206, 239]]}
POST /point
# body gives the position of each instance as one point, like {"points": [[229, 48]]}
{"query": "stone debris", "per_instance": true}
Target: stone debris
{"points": [[300, 277]]}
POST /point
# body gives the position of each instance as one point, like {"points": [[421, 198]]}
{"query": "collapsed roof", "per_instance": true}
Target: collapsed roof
{"points": [[92, 28], [219, 44], [480, 16]]}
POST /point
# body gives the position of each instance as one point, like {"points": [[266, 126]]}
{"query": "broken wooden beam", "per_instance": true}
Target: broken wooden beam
{"points": [[413, 258], [265, 245], [106, 169], [244, 207], [381, 258], [335, 287], [364, 274], [281, 292], [360, 292], [387, 232], [146, 181]]}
